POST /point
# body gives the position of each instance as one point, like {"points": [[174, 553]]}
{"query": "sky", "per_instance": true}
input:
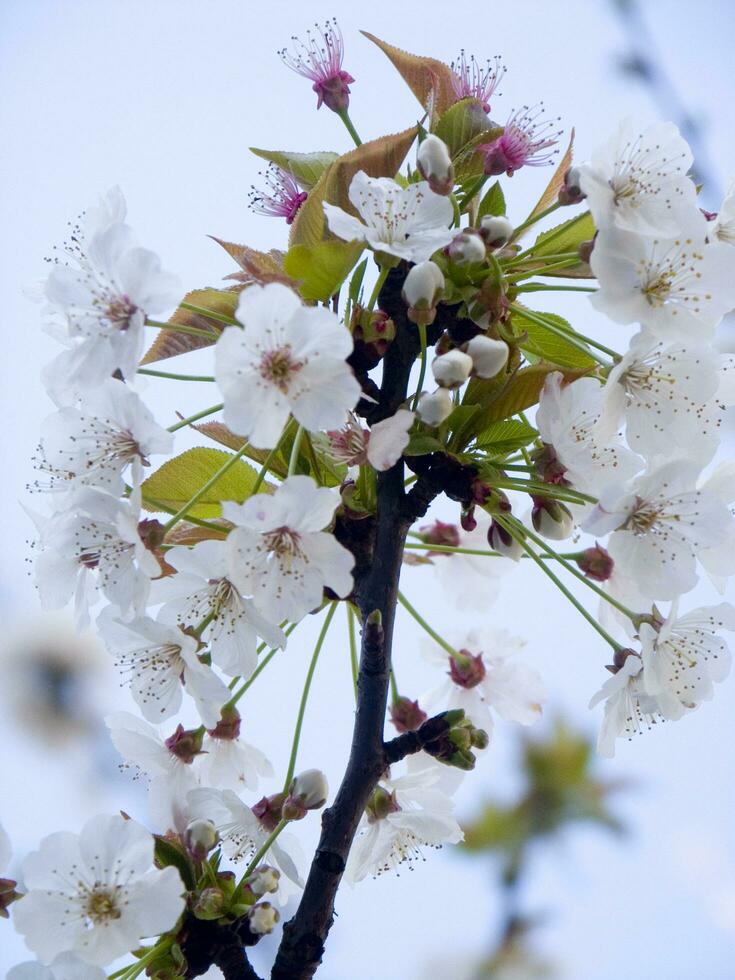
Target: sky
{"points": [[164, 98]]}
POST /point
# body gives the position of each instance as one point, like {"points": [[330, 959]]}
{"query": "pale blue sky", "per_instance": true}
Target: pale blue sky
{"points": [[164, 97]]}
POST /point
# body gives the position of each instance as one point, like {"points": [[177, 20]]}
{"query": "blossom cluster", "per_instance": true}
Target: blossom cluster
{"points": [[193, 603]]}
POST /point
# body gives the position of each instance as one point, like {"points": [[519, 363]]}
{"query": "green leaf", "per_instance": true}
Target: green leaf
{"points": [[306, 168], [421, 444], [493, 202], [521, 391], [323, 267], [356, 282], [463, 127], [218, 432], [549, 345], [505, 437], [566, 237], [168, 854], [180, 478]]}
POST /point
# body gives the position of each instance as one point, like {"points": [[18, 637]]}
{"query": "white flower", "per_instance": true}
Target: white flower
{"points": [[171, 775], [231, 763], [679, 287], [665, 393], [488, 356], [279, 552], [471, 581], [102, 298], [638, 180], [67, 966], [411, 223], [201, 590], [97, 893], [488, 681], [452, 369], [684, 656], [286, 358], [6, 851], [404, 815], [382, 446], [94, 544], [723, 228], [662, 524], [93, 442], [161, 660], [627, 706], [435, 407], [569, 419], [243, 834]]}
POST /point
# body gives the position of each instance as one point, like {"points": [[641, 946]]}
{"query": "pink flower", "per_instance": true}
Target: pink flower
{"points": [[470, 81], [320, 59], [525, 142], [282, 197]]}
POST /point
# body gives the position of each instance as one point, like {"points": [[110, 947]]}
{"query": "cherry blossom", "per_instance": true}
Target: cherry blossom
{"points": [[472, 582], [96, 893], [287, 358], [67, 966], [282, 198], [410, 223], [628, 708], [231, 763], [161, 661], [405, 814], [279, 552], [678, 287], [526, 141], [684, 655], [381, 446], [471, 81], [723, 228], [93, 442], [637, 180], [662, 524], [320, 60], [202, 592]]}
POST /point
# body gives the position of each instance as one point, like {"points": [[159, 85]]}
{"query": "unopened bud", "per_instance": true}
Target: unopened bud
{"points": [[596, 563], [210, 904], [571, 191], [185, 744], [434, 407], [200, 837], [264, 880], [488, 356], [466, 248], [440, 533], [454, 745], [491, 499], [501, 540], [263, 918], [452, 369], [308, 791], [467, 519], [551, 519], [406, 715], [496, 230], [466, 669], [422, 288], [435, 165]]}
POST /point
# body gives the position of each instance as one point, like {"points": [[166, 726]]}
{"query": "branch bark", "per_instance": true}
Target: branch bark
{"points": [[302, 946]]}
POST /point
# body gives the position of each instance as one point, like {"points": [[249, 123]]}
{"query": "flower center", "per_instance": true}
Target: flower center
{"points": [[120, 312], [102, 906], [643, 518], [284, 543], [279, 366]]}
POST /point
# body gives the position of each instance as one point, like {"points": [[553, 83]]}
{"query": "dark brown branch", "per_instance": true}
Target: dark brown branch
{"points": [[233, 962], [411, 742]]}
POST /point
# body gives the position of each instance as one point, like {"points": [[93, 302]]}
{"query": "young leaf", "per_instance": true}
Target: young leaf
{"points": [[218, 432], [260, 267], [170, 343], [181, 477], [493, 202], [548, 345], [305, 168], [566, 237], [321, 268], [505, 437], [421, 443], [426, 77], [460, 126]]}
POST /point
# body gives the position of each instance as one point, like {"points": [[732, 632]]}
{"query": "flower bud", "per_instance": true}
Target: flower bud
{"points": [[467, 519], [452, 369], [264, 880], [200, 837], [433, 408], [435, 165], [268, 810], [422, 289], [406, 715], [380, 804], [263, 918], [551, 519], [596, 563], [308, 791], [502, 541], [571, 191], [440, 533], [185, 744], [491, 499], [495, 229], [488, 356], [210, 904], [466, 669], [466, 248], [454, 745]]}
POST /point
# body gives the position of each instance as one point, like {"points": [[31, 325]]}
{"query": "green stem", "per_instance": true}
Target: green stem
{"points": [[203, 489], [182, 328], [263, 470], [395, 696], [552, 257], [512, 530], [539, 287], [578, 340], [543, 270], [135, 969], [382, 276], [422, 369], [533, 219], [345, 117], [293, 461], [175, 377], [165, 509], [195, 417], [260, 668], [305, 696], [261, 853], [452, 550], [425, 626], [210, 314], [354, 667]]}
